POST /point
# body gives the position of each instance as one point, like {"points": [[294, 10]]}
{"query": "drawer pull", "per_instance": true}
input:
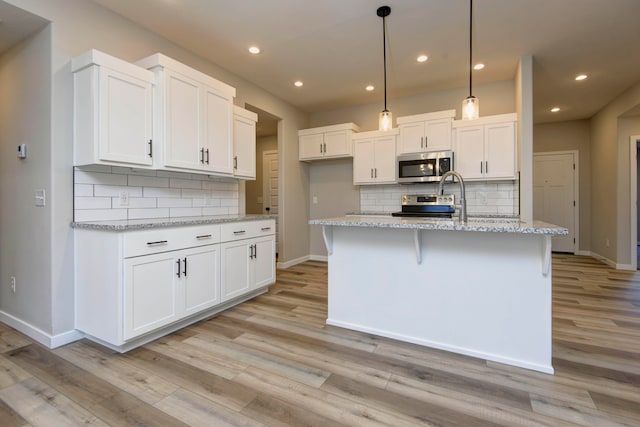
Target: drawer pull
{"points": [[159, 242], [239, 232], [204, 236], [178, 262], [266, 228]]}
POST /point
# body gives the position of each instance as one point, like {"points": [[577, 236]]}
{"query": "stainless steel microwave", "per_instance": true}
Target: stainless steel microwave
{"points": [[424, 167]]}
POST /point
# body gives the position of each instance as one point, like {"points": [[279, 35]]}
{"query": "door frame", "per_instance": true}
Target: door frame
{"points": [[264, 181], [576, 194], [634, 142]]}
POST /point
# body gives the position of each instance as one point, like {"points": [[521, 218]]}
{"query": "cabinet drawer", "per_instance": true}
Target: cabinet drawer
{"points": [[148, 242], [247, 229]]}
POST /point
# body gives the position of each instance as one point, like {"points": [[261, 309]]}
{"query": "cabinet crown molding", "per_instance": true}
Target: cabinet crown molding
{"points": [[343, 126], [95, 57], [239, 111], [486, 120], [376, 134], [446, 114]]}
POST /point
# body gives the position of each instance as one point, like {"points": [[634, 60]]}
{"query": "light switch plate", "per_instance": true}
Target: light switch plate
{"points": [[40, 197]]}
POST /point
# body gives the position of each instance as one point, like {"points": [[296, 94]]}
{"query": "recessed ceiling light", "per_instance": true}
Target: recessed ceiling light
{"points": [[478, 66], [555, 109], [298, 83], [254, 49], [370, 88], [581, 77], [422, 58]]}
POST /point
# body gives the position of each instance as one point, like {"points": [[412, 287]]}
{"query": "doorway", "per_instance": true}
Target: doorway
{"points": [[256, 202], [634, 148], [555, 195]]}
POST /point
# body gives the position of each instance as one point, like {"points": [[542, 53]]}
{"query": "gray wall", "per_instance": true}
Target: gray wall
{"points": [[565, 136], [80, 25], [25, 230]]}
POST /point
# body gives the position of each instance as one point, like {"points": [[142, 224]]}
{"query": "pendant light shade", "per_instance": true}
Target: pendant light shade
{"points": [[471, 105], [385, 119]]}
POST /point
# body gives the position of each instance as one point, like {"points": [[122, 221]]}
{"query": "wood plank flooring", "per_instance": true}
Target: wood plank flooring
{"points": [[273, 362]]}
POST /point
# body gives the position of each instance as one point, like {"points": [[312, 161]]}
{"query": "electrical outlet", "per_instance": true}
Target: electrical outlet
{"points": [[12, 281], [483, 198], [315, 200], [124, 198], [606, 242]]}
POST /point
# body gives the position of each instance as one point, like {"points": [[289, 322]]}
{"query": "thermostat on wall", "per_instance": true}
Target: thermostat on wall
{"points": [[22, 151]]}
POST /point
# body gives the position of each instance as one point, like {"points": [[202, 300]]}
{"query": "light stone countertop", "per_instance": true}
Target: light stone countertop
{"points": [[138, 224], [478, 224]]}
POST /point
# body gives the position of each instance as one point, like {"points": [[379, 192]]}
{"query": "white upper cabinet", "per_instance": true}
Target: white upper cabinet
{"points": [[486, 148], [425, 132], [244, 143], [193, 120], [113, 103], [374, 157], [328, 142]]}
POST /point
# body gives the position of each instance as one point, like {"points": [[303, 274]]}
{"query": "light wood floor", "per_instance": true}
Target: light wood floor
{"points": [[273, 361]]}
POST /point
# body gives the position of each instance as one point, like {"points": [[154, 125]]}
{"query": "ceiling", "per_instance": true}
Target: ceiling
{"points": [[335, 46], [16, 25]]}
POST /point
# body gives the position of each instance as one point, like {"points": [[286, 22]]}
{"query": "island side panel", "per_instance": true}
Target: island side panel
{"points": [[475, 293]]}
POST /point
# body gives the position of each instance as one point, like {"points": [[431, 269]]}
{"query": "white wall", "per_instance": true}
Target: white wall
{"points": [[77, 26], [524, 108], [25, 230]]}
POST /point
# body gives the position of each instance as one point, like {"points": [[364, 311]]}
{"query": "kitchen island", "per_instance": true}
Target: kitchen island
{"points": [[482, 288]]}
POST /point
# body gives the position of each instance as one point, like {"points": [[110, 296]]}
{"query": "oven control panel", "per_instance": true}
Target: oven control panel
{"points": [[428, 199]]}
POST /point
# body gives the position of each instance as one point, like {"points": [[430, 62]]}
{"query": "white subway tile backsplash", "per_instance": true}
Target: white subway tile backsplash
{"points": [[181, 212], [82, 177], [92, 202], [151, 194], [184, 183], [100, 214], [83, 190], [160, 192], [148, 181], [148, 213], [116, 190], [174, 203]]}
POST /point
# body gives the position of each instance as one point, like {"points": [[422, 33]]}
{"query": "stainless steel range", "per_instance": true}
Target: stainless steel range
{"points": [[427, 205]]}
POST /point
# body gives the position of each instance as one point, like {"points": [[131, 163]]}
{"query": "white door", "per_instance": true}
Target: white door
{"points": [[337, 143], [244, 137], [554, 195], [264, 265], [411, 138], [437, 135], [469, 152], [235, 274], [182, 145], [500, 150], [201, 274], [218, 122], [363, 161], [385, 159]]}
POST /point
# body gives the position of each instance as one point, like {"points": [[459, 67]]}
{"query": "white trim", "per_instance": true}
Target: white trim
{"points": [[583, 253], [36, 334], [605, 260], [322, 258], [633, 202], [291, 263], [547, 369], [576, 192]]}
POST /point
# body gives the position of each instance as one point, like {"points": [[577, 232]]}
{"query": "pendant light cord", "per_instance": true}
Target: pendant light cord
{"points": [[470, 48], [384, 56]]}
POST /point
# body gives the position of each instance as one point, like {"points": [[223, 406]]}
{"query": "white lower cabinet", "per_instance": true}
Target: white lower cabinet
{"points": [[135, 286], [248, 263]]}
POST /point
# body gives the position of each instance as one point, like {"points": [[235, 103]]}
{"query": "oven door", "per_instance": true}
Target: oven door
{"points": [[422, 168]]}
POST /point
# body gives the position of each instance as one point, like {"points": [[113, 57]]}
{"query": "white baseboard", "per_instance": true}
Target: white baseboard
{"points": [[603, 259], [323, 258], [36, 334], [583, 253], [291, 263]]}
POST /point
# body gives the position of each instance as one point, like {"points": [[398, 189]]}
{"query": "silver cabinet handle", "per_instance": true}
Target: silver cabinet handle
{"points": [[158, 242], [375, 175], [325, 147], [150, 148], [266, 228], [235, 162], [178, 262], [426, 141], [185, 267], [422, 142], [321, 147], [204, 236], [239, 232], [486, 167], [202, 155], [207, 156], [480, 166], [371, 173]]}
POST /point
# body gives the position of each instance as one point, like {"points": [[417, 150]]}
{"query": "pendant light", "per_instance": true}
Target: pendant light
{"points": [[385, 119], [471, 105]]}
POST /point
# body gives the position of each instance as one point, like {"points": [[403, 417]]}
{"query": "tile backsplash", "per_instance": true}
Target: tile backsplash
{"points": [[483, 198], [104, 193]]}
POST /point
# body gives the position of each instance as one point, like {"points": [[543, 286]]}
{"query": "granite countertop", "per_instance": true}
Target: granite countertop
{"points": [[478, 224], [137, 224]]}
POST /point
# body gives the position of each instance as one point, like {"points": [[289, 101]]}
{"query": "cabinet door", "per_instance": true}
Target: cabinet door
{"points": [[149, 293], [244, 146], [437, 135], [264, 261], [201, 278], [411, 138], [218, 122], [311, 146], [235, 262], [469, 152], [363, 161], [385, 166], [500, 150], [125, 117], [337, 144], [182, 127]]}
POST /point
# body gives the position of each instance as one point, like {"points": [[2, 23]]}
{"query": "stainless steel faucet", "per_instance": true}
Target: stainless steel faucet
{"points": [[463, 198]]}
